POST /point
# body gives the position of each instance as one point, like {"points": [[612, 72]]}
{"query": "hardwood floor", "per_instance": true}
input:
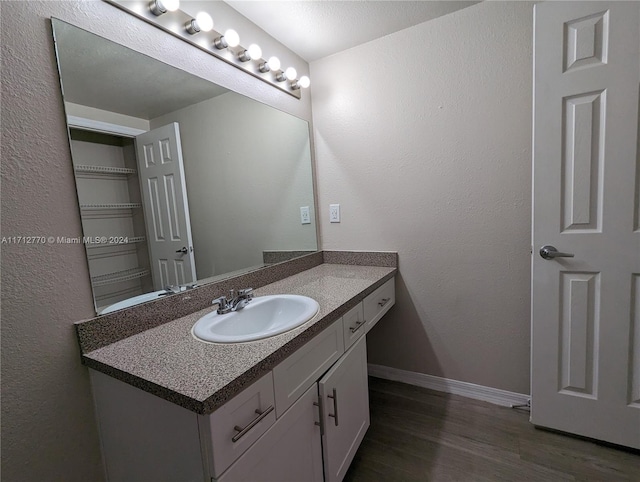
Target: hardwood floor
{"points": [[419, 434]]}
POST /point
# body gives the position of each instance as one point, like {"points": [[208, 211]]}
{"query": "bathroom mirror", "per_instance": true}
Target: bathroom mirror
{"points": [[179, 180]]}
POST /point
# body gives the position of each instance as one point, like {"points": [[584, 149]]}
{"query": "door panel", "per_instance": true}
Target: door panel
{"points": [[585, 162], [634, 354], [166, 208], [579, 324], [344, 392]]}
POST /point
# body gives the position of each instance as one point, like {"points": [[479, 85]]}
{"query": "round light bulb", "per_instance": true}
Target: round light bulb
{"points": [[290, 73], [274, 63], [171, 5], [254, 51], [304, 82], [232, 38], [205, 22]]}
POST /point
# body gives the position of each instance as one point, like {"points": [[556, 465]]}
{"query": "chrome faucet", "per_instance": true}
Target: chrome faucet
{"points": [[243, 299], [234, 302], [173, 289]]}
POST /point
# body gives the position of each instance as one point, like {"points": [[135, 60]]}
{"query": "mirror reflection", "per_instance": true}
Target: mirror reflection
{"points": [[179, 180]]}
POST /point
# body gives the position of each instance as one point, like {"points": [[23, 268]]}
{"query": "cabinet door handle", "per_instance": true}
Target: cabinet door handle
{"points": [[320, 415], [353, 329], [334, 397], [253, 423], [384, 301]]}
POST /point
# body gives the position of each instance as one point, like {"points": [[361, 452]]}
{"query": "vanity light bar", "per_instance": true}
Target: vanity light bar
{"points": [[184, 26]]}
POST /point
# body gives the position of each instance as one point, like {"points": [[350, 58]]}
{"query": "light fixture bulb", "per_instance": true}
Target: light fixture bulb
{"points": [[290, 73], [232, 38], [202, 23], [304, 82], [254, 51], [274, 63], [171, 5], [229, 39], [160, 7], [205, 22]]}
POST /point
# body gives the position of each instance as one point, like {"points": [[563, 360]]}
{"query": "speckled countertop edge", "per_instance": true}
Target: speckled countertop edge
{"points": [[166, 361], [106, 329]]}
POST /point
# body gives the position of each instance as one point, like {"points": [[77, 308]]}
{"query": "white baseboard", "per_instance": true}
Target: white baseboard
{"points": [[455, 387]]}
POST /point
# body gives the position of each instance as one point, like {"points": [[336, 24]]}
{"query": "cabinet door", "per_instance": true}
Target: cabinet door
{"points": [[289, 451], [344, 392]]}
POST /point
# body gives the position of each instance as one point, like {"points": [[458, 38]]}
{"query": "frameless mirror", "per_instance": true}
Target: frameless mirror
{"points": [[179, 180]]}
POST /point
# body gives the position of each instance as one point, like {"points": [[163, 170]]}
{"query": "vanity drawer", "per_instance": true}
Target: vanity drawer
{"points": [[252, 410], [354, 325], [379, 302], [293, 376]]}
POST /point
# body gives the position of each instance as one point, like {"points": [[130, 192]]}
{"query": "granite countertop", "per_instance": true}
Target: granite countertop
{"points": [[167, 361]]}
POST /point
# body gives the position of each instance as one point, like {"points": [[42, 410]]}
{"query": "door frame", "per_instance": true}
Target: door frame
{"points": [[76, 122]]}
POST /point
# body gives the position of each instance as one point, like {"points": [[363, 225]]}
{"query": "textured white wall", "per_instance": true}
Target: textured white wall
{"points": [[48, 427], [244, 161], [424, 138]]}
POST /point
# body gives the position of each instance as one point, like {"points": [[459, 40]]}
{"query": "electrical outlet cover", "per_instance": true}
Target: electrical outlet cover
{"points": [[305, 216], [334, 213]]}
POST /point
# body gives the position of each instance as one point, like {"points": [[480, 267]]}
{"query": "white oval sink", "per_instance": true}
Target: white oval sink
{"points": [[263, 317]]}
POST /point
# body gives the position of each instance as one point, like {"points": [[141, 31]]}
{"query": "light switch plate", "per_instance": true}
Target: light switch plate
{"points": [[305, 216], [334, 213]]}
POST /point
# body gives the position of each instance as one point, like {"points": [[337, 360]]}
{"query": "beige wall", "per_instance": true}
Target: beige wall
{"points": [[48, 428], [424, 138], [248, 171]]}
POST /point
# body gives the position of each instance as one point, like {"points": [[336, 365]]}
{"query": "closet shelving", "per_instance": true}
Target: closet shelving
{"points": [[109, 193], [119, 276], [108, 170], [109, 206]]}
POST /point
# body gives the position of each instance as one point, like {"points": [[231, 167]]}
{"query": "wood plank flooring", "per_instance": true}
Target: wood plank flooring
{"points": [[418, 434]]}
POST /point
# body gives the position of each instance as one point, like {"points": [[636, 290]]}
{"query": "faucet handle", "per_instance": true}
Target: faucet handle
{"points": [[220, 301], [223, 305], [246, 293]]}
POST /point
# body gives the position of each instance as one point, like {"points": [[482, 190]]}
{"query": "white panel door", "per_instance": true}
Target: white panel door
{"points": [[344, 394], [586, 308], [164, 196]]}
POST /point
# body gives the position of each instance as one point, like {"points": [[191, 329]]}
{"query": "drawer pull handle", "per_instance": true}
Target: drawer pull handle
{"points": [[353, 329], [334, 397], [254, 422], [384, 302]]}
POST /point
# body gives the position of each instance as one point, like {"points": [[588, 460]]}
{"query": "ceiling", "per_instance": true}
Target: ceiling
{"points": [[317, 28], [105, 75]]}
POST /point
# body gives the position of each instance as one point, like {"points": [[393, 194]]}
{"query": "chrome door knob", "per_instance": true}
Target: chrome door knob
{"points": [[550, 252], [184, 250]]}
